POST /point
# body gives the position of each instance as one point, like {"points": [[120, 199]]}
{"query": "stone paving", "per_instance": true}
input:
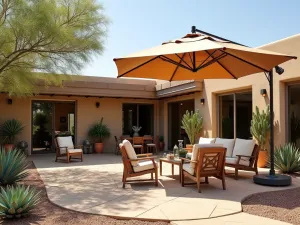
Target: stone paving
{"points": [[94, 186]]}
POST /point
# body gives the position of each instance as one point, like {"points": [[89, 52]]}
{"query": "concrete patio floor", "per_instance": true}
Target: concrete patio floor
{"points": [[94, 186]]}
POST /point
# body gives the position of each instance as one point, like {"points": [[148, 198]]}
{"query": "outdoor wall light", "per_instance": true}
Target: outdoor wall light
{"points": [[263, 92], [9, 101], [97, 104], [202, 100]]}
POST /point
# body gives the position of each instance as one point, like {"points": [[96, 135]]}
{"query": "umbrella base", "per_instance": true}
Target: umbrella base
{"points": [[272, 180]]}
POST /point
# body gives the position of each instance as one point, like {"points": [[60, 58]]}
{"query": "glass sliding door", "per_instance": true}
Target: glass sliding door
{"points": [[141, 115], [235, 115], [294, 114]]}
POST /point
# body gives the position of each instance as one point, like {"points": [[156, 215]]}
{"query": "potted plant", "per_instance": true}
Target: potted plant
{"points": [[161, 143], [192, 123], [260, 129], [9, 130], [99, 132]]}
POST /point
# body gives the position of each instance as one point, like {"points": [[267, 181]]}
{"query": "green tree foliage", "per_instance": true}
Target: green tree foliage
{"points": [[192, 123], [47, 36]]}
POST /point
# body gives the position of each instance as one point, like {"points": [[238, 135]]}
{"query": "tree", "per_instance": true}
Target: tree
{"points": [[39, 38]]}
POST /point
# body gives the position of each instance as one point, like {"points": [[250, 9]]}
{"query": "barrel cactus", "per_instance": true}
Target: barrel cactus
{"points": [[192, 123], [260, 126], [18, 201], [13, 166]]}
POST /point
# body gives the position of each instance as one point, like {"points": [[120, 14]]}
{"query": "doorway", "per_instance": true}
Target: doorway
{"points": [[176, 110], [50, 119], [235, 115]]}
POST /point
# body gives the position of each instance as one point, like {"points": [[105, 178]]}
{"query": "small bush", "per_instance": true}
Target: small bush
{"points": [[13, 166], [18, 201], [287, 158]]}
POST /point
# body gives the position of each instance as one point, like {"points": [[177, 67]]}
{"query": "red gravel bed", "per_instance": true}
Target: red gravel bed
{"points": [[279, 205], [48, 214]]}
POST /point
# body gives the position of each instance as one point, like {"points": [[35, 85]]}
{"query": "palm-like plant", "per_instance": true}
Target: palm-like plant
{"points": [[287, 158], [99, 131], [17, 201], [260, 126], [10, 129], [192, 123], [13, 166]]}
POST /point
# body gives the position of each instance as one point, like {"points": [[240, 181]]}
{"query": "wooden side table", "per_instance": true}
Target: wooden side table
{"points": [[172, 162]]}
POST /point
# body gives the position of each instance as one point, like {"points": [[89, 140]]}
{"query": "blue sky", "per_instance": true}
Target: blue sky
{"points": [[139, 24]]}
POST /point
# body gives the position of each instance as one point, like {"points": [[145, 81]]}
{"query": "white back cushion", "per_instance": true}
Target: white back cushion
{"points": [[243, 147], [65, 142], [227, 143], [203, 140], [130, 152]]}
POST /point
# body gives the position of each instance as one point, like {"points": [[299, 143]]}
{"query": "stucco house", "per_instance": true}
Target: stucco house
{"points": [[157, 106]]}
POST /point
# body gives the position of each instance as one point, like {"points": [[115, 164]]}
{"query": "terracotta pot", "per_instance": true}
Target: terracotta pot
{"points": [[9, 147], [189, 148], [262, 159], [98, 147], [161, 145]]}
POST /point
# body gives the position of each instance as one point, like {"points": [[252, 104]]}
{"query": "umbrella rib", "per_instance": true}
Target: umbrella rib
{"points": [[173, 62], [223, 67], [212, 61], [243, 60], [209, 55], [181, 59], [150, 60]]}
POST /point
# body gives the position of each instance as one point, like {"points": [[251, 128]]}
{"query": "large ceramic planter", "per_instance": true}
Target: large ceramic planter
{"points": [[98, 147], [189, 148], [262, 159], [9, 147]]}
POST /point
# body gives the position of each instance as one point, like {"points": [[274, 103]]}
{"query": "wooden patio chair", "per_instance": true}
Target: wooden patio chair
{"points": [[137, 165], [208, 160], [150, 144], [138, 143], [243, 161], [65, 148]]}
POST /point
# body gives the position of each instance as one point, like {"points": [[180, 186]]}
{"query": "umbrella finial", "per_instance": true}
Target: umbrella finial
{"points": [[193, 29]]}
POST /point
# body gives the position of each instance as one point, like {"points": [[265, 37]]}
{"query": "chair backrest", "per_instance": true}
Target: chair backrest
{"points": [[130, 152], [65, 142], [138, 140], [211, 161], [116, 139], [253, 160], [125, 158]]}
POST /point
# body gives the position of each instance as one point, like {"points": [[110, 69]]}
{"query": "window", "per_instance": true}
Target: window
{"points": [[71, 123], [235, 115], [138, 115]]}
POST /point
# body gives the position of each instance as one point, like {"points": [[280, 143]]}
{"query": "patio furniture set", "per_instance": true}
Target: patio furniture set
{"points": [[146, 142], [208, 159]]}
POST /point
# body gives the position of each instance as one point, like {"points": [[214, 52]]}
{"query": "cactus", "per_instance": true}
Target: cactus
{"points": [[17, 201], [192, 123], [287, 158], [260, 126]]}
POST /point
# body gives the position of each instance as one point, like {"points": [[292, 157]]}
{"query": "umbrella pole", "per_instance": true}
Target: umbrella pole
{"points": [[272, 179]]}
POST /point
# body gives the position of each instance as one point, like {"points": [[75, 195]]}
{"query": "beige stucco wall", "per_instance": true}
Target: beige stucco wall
{"points": [[86, 113]]}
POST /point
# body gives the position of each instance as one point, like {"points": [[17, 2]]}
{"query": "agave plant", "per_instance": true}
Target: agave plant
{"points": [[287, 158], [99, 131], [18, 201], [13, 166], [10, 129], [192, 123]]}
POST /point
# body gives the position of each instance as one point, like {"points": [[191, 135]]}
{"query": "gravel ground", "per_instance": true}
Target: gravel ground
{"points": [[278, 205], [48, 214]]}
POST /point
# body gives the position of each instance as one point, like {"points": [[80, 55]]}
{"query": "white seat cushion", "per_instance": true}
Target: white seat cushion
{"points": [[187, 167], [196, 149], [65, 142], [243, 147], [227, 143], [151, 144], [130, 152], [144, 165], [137, 146], [233, 160], [206, 140], [75, 150]]}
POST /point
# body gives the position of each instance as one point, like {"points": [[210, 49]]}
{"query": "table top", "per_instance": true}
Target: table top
{"points": [[174, 161]]}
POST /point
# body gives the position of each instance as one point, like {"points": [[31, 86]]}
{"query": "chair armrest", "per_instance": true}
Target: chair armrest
{"points": [[142, 155], [188, 160], [245, 156], [63, 147], [144, 158]]}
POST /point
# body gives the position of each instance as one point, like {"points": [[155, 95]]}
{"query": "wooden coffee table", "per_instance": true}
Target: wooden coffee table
{"points": [[172, 162]]}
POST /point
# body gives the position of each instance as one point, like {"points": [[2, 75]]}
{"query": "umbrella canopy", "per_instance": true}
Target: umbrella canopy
{"points": [[198, 57]]}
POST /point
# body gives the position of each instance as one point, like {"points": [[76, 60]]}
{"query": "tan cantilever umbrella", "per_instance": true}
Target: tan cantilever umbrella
{"points": [[197, 57]]}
